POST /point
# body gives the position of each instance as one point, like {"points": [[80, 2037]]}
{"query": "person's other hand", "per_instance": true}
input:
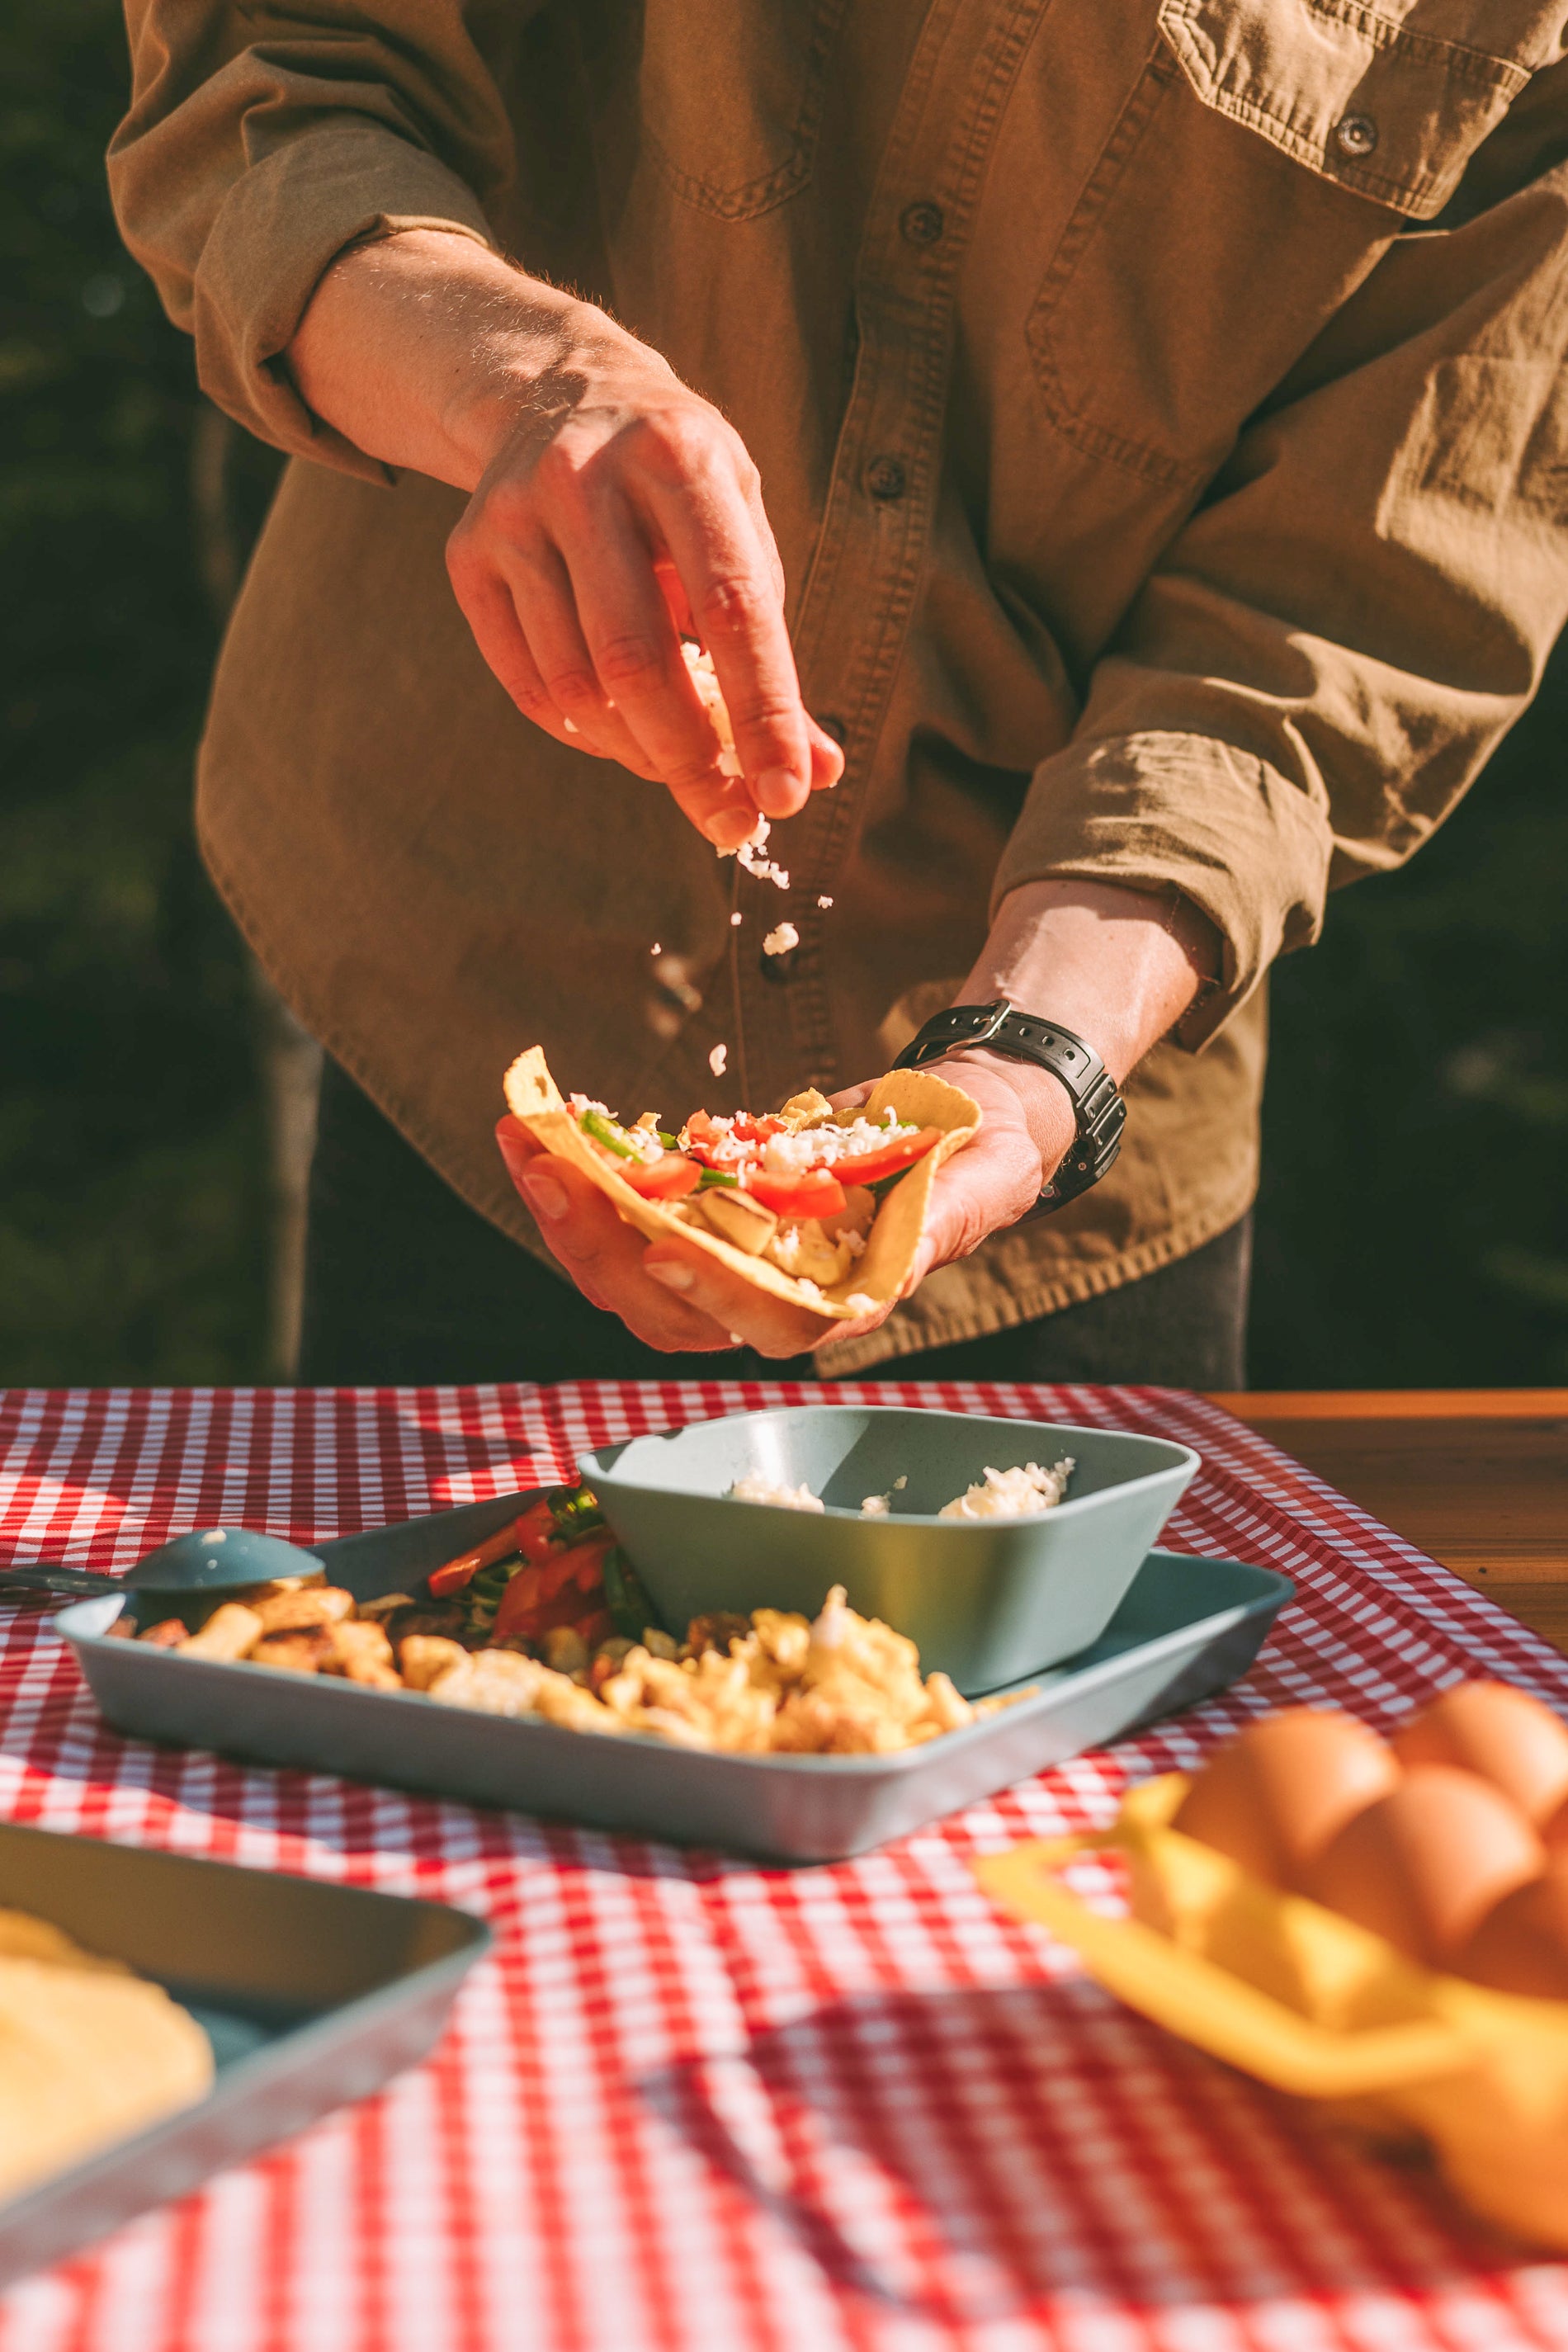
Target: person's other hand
{"points": [[675, 1296], [610, 508], [609, 521]]}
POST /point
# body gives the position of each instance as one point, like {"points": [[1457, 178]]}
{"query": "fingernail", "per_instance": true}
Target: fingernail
{"points": [[673, 1276], [777, 789], [544, 1196], [727, 828]]}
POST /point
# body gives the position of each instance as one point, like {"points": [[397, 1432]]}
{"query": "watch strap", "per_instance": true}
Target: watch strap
{"points": [[1099, 1111]]}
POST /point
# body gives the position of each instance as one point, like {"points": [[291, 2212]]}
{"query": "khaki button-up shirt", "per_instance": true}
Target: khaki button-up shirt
{"points": [[1158, 408]]}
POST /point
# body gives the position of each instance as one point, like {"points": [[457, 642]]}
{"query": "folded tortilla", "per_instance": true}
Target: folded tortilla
{"points": [[89, 2053], [876, 1277]]}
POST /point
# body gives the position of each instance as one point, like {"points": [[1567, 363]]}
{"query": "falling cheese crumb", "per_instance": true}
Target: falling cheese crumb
{"points": [[779, 942], [736, 919], [824, 902], [717, 1060]]}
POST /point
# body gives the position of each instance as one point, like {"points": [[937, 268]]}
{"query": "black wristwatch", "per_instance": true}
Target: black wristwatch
{"points": [[1101, 1113]]}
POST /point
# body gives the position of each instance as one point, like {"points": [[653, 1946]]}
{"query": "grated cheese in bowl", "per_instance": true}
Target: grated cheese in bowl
{"points": [[1012, 1493], [752, 1488]]}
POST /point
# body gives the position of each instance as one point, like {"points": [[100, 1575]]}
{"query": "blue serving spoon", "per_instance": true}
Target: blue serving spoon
{"points": [[213, 1559]]}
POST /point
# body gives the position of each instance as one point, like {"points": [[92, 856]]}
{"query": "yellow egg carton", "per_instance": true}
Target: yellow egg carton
{"points": [[1313, 2004]]}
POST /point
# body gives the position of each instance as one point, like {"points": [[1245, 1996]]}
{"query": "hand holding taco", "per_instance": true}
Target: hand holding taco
{"points": [[783, 1230]]}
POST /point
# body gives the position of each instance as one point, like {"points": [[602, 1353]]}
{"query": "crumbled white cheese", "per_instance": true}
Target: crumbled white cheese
{"points": [[656, 948], [877, 1506], [860, 1302], [717, 1060], [1011, 1494], [832, 1140], [824, 902], [779, 942], [735, 919], [755, 1488], [749, 853]]}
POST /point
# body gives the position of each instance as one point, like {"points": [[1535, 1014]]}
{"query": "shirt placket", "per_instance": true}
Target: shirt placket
{"points": [[854, 613]]}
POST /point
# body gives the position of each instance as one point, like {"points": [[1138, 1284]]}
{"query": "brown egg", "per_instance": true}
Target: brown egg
{"points": [[1275, 1796], [1521, 1946], [1426, 1863], [1508, 1738]]}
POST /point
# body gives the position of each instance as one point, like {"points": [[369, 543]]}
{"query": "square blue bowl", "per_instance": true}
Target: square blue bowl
{"points": [[986, 1601]]}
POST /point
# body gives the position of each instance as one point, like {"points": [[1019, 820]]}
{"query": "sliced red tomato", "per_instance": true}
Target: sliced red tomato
{"points": [[814, 1193], [747, 1129], [667, 1179], [454, 1574], [701, 1135], [530, 1603], [899, 1151], [536, 1537]]}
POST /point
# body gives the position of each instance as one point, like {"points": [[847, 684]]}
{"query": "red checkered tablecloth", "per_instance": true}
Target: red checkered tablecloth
{"points": [[695, 2104]]}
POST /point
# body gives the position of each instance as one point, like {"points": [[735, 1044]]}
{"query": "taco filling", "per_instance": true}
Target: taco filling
{"points": [[799, 1187], [824, 1208]]}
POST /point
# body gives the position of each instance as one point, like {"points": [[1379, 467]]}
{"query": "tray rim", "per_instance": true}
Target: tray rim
{"points": [[293, 2047], [1274, 1592], [1187, 1458]]}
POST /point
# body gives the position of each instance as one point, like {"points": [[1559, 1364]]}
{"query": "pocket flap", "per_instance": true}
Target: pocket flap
{"points": [[1381, 106]]}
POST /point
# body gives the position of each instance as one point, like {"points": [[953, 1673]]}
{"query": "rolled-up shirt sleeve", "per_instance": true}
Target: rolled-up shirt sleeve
{"points": [[260, 143], [1360, 606]]}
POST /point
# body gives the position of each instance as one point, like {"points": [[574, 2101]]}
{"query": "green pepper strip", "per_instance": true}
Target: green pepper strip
{"points": [[575, 1512], [712, 1176], [626, 1596], [604, 1130]]}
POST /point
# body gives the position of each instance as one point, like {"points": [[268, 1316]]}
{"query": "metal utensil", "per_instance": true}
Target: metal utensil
{"points": [[212, 1559]]}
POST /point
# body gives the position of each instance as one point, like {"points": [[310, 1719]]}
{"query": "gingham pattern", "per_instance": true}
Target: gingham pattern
{"points": [[696, 2104]]}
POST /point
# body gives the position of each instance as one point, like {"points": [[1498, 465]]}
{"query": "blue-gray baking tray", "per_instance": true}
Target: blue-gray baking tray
{"points": [[1185, 1629], [311, 1995]]}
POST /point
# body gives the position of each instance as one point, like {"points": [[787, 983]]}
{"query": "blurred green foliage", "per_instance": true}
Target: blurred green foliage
{"points": [[1412, 1227]]}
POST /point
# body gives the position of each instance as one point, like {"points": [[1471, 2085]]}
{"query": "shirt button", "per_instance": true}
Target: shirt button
{"points": [[835, 728], [885, 479], [1356, 134], [921, 224]]}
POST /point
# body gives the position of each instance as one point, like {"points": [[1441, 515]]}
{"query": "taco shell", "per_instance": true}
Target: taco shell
{"points": [[878, 1275]]}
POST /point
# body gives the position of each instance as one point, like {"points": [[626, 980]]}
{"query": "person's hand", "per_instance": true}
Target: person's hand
{"points": [[611, 507], [604, 525], [678, 1297]]}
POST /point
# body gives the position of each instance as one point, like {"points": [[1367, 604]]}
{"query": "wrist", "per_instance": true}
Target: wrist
{"points": [[1045, 1107]]}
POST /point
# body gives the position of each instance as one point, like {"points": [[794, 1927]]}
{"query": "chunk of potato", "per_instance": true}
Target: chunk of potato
{"points": [[229, 1633], [313, 1605]]}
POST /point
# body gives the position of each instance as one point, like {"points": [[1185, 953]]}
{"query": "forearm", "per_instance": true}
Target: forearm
{"points": [[428, 351]]}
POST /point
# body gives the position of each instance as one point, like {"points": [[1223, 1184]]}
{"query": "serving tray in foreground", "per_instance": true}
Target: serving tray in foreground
{"points": [[312, 1995], [1186, 1628]]}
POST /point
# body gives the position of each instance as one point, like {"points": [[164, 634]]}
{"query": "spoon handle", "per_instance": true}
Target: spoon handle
{"points": [[44, 1576]]}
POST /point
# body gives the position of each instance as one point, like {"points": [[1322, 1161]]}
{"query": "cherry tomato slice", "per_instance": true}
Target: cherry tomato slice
{"points": [[814, 1193], [899, 1151], [668, 1178]]}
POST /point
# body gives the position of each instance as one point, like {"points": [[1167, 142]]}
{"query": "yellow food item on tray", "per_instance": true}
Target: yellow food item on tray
{"points": [[89, 2053], [772, 1684]]}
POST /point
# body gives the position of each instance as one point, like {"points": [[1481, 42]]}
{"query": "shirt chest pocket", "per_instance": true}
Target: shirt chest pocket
{"points": [[729, 97], [1267, 154]]}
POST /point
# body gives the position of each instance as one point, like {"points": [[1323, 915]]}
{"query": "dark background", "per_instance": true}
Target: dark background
{"points": [[1413, 1227]]}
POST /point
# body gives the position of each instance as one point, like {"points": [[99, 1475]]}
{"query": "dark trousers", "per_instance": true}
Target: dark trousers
{"points": [[406, 1283]]}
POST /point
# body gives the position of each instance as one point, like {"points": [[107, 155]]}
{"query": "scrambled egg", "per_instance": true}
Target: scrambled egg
{"points": [[779, 1684]]}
